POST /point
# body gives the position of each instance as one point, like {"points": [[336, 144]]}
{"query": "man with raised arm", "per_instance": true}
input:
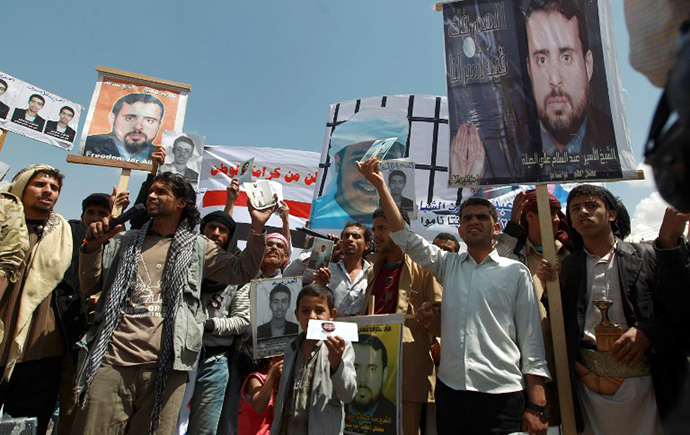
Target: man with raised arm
{"points": [[148, 325], [489, 320], [631, 382]]}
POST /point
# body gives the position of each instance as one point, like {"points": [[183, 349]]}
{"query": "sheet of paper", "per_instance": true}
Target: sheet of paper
{"points": [[321, 329]]}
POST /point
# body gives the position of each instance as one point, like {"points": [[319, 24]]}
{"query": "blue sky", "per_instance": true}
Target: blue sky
{"points": [[262, 73]]}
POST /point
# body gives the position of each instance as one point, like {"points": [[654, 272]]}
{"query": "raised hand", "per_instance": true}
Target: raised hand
{"points": [[518, 207], [372, 173]]}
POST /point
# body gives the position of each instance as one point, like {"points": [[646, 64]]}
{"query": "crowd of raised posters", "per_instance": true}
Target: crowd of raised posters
{"points": [[521, 109]]}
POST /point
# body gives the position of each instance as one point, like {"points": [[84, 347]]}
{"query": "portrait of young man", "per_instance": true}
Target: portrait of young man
{"points": [[280, 300], [60, 128], [182, 152], [371, 406], [135, 120], [561, 64], [29, 117]]}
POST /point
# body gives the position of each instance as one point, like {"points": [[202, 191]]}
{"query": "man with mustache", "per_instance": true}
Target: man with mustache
{"points": [[347, 195], [371, 406], [560, 64], [135, 120]]}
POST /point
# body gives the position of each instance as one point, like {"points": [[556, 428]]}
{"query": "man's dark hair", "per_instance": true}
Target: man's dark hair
{"points": [[568, 9], [399, 173], [69, 109], [2, 82], [366, 231], [182, 190], [480, 201], [375, 343], [448, 237], [280, 288], [137, 98], [620, 227], [185, 139], [37, 96], [318, 290], [380, 213], [53, 173], [96, 199]]}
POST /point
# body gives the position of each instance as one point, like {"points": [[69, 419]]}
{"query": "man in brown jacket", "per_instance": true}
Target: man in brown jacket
{"points": [[401, 286]]}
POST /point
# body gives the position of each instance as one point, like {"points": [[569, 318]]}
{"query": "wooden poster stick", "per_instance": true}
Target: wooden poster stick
{"points": [[370, 310], [3, 135], [553, 290], [121, 186]]}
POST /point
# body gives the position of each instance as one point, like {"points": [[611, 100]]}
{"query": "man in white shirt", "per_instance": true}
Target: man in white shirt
{"points": [[348, 277], [492, 347]]}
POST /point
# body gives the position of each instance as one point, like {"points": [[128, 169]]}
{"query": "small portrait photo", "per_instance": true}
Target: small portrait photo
{"points": [[320, 253], [244, 174], [8, 92], [400, 180], [64, 124], [30, 112], [275, 303], [379, 149], [183, 153], [260, 194]]}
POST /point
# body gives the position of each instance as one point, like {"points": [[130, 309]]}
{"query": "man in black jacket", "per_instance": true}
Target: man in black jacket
{"points": [[644, 368]]}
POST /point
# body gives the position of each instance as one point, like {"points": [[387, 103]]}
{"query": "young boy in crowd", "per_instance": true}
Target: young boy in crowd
{"points": [[318, 376]]}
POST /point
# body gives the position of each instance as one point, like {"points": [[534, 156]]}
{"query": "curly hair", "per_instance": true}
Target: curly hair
{"points": [[182, 190]]}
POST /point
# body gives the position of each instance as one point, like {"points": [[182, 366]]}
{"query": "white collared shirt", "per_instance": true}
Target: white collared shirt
{"points": [[489, 318], [349, 294]]}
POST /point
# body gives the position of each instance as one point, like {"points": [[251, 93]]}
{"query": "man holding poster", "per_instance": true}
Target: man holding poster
{"points": [[479, 387], [135, 121]]}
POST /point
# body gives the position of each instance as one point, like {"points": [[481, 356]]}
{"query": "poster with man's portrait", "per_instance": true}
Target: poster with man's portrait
{"points": [[399, 177], [345, 195], [378, 365], [183, 153], [321, 252], [37, 114], [128, 115], [274, 324], [533, 93]]}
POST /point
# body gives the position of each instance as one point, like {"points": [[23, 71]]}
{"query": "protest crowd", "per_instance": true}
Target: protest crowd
{"points": [[143, 321]]}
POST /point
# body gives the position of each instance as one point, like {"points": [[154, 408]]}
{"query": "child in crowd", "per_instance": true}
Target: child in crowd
{"points": [[256, 401], [319, 376]]}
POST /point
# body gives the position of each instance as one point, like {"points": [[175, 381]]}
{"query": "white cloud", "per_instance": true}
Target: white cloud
{"points": [[647, 217]]}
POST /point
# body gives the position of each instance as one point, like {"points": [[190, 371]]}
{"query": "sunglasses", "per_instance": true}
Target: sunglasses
{"points": [[278, 245]]}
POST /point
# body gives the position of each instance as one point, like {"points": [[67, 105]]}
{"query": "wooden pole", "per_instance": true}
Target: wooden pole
{"points": [[3, 135], [553, 290], [121, 186]]}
